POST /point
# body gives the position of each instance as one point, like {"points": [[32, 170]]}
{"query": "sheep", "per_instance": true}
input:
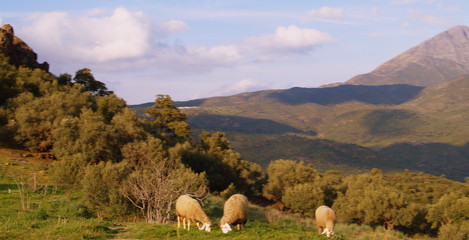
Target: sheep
{"points": [[235, 212], [189, 209], [325, 220]]}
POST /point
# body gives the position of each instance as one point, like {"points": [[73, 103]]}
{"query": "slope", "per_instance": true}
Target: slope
{"points": [[437, 114], [438, 59]]}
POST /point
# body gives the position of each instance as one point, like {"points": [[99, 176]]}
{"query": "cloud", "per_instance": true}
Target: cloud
{"points": [[427, 18], [327, 12], [120, 40], [407, 2], [289, 40], [403, 2], [182, 59], [172, 26], [121, 35], [244, 85]]}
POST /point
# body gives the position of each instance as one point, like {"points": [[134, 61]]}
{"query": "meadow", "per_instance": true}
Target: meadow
{"points": [[50, 213]]}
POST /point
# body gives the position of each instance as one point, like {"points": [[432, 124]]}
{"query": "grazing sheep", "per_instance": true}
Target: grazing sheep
{"points": [[190, 209], [325, 220], [235, 212]]}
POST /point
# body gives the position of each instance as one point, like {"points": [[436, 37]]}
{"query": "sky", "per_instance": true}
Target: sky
{"points": [[197, 49]]}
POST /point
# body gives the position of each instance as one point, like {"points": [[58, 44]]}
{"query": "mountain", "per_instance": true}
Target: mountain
{"points": [[436, 60], [412, 115], [19, 53]]}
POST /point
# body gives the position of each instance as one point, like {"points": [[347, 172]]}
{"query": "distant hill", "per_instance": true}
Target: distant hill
{"points": [[302, 124], [323, 154], [411, 112], [436, 60], [437, 114]]}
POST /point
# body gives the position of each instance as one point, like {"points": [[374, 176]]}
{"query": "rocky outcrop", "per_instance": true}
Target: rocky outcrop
{"points": [[19, 53], [436, 60]]}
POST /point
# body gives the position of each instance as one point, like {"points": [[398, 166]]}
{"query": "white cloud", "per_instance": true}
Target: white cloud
{"points": [[244, 85], [403, 2], [427, 18], [189, 59], [289, 40], [120, 40], [327, 12], [172, 26], [121, 35]]}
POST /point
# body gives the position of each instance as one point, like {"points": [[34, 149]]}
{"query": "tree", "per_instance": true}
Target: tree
{"points": [[305, 197], [85, 78], [369, 199], [454, 231], [87, 135], [68, 172], [287, 173], [223, 165], [102, 189], [36, 118], [158, 180], [450, 208], [168, 121], [7, 80], [331, 184], [110, 105]]}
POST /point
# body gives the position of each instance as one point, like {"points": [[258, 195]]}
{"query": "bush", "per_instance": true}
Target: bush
{"points": [[454, 231]]}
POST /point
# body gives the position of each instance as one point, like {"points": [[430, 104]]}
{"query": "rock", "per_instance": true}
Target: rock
{"points": [[19, 52]]}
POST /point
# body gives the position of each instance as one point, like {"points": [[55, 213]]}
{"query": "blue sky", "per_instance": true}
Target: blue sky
{"points": [[195, 49]]}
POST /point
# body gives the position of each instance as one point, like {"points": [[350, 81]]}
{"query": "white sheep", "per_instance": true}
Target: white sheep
{"points": [[189, 209], [235, 212], [325, 220]]}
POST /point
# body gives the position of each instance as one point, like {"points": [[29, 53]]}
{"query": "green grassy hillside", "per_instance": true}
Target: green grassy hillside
{"points": [[52, 214], [376, 117]]}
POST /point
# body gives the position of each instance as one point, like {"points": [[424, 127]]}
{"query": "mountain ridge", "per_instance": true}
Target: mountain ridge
{"points": [[438, 59], [425, 118]]}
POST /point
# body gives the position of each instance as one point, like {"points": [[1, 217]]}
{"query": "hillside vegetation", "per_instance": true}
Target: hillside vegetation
{"points": [[375, 117], [113, 166], [80, 164], [419, 98]]}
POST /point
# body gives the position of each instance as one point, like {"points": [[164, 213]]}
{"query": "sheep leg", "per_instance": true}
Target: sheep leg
{"points": [[188, 224], [179, 223]]}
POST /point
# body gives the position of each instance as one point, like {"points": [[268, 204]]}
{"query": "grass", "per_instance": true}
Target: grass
{"points": [[53, 215], [60, 218]]}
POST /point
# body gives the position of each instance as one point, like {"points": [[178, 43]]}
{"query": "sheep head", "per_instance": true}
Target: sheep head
{"points": [[328, 232], [225, 228], [206, 227]]}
